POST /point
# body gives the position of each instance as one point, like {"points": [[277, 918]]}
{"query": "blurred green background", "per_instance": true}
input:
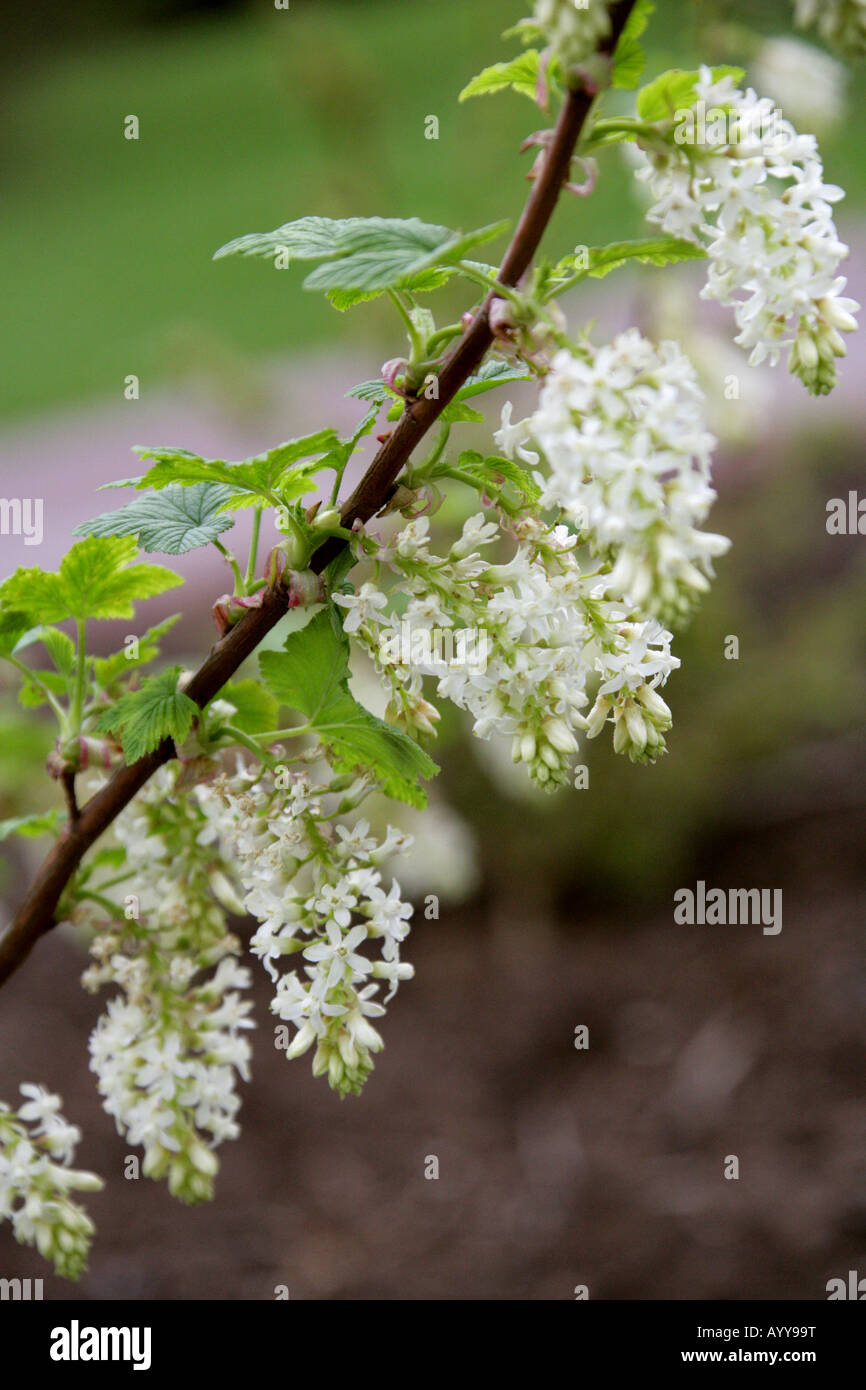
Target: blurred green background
{"points": [[562, 1171], [252, 116]]}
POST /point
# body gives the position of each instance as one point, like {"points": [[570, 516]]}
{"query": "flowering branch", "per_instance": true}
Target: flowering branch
{"points": [[36, 915]]}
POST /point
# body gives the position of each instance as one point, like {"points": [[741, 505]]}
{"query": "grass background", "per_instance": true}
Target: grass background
{"points": [[107, 243]]}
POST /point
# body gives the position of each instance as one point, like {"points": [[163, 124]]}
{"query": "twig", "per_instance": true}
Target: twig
{"points": [[68, 783]]}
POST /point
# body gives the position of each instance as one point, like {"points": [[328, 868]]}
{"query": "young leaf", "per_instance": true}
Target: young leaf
{"points": [[389, 252], [494, 372], [307, 239], [650, 250], [601, 260], [13, 626], [675, 91], [31, 692], [456, 412], [311, 675], [272, 477], [375, 391], [629, 59], [520, 73], [107, 669], [493, 472], [170, 522], [628, 63], [143, 718], [31, 826], [59, 646], [363, 255], [95, 580]]}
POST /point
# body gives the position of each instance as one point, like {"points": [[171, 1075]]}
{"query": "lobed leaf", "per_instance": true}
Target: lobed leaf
{"points": [[143, 718], [96, 580], [170, 522]]}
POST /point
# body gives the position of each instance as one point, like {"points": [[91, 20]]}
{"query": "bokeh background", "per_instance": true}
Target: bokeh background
{"points": [[558, 1167]]}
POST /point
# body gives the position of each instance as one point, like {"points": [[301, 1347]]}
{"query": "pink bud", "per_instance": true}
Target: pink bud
{"points": [[305, 587], [392, 369]]}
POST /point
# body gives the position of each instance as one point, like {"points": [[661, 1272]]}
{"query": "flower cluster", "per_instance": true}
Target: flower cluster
{"points": [[841, 23], [621, 428], [315, 888], [169, 1048], [547, 629], [804, 80], [750, 189], [573, 29], [36, 1149]]}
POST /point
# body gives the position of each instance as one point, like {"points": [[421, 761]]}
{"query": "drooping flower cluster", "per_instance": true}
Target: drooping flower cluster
{"points": [[314, 886], [169, 1048], [737, 178], [546, 632], [621, 428], [841, 23], [37, 1146]]}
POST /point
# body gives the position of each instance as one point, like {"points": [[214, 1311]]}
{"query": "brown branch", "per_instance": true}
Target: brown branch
{"points": [[36, 915], [68, 784]]}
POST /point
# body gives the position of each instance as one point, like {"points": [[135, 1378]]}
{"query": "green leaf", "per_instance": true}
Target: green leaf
{"points": [[493, 472], [650, 250], [307, 239], [520, 73], [639, 19], [31, 826], [494, 372], [107, 669], [375, 391], [143, 718], [601, 260], [628, 64], [456, 412], [363, 255], [59, 646], [311, 675], [170, 522], [31, 693], [13, 625], [95, 580], [257, 710], [271, 477], [389, 252], [629, 58], [675, 91]]}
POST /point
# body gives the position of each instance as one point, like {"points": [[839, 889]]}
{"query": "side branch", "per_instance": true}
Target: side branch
{"points": [[36, 915]]}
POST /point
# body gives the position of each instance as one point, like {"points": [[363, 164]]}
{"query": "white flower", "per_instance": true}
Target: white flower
{"points": [[361, 606], [750, 190], [35, 1188], [623, 433], [41, 1107], [335, 900], [337, 958], [389, 917], [513, 438]]}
